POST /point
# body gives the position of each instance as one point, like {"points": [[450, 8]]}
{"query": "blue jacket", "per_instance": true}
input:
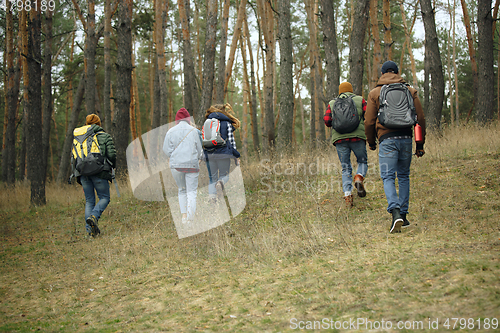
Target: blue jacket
{"points": [[226, 131]]}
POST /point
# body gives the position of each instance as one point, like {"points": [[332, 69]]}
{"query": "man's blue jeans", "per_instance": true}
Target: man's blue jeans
{"points": [[394, 159], [92, 185], [344, 151]]}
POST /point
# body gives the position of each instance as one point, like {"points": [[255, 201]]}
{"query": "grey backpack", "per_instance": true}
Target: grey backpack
{"points": [[211, 137], [396, 106], [345, 117]]}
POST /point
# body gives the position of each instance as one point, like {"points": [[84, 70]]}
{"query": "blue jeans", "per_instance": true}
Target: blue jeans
{"points": [[219, 170], [91, 185], [344, 151], [394, 158], [188, 187]]}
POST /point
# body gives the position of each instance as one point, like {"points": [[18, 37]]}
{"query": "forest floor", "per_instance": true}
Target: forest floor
{"points": [[293, 259]]}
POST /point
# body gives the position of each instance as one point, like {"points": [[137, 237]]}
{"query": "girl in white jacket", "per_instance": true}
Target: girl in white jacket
{"points": [[183, 146]]}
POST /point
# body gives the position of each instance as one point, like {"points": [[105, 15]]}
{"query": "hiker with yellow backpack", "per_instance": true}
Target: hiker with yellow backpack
{"points": [[93, 159]]}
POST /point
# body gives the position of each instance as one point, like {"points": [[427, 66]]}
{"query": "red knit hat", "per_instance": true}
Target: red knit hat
{"points": [[181, 115]]}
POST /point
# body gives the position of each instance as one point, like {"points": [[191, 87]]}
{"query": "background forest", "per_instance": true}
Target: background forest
{"points": [[279, 63]]}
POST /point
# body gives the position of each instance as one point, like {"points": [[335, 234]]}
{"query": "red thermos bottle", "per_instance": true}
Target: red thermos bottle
{"points": [[418, 134]]}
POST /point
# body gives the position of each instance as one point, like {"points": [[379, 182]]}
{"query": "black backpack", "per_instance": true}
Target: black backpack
{"points": [[396, 106], [345, 117]]}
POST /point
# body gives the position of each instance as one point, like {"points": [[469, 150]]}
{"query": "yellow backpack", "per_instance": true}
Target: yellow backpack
{"points": [[86, 152]]}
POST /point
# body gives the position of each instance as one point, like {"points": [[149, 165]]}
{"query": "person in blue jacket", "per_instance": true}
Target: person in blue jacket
{"points": [[219, 159]]}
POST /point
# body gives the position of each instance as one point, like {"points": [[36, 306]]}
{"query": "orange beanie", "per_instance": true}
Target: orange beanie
{"points": [[345, 87], [93, 119]]}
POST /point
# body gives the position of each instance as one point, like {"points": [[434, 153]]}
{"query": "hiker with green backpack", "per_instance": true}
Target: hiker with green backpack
{"points": [[93, 160], [345, 115], [393, 110]]}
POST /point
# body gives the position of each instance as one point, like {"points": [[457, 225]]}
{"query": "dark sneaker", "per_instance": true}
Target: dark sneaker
{"points": [[360, 187], [92, 222], [397, 221], [406, 223]]}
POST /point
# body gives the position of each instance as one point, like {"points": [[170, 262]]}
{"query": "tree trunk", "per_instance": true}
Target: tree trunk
{"points": [[253, 110], [47, 91], [191, 96], [160, 51], [433, 117], [386, 10], [408, 33], [121, 121], [219, 99], [285, 129], [90, 47], [35, 154], [208, 62], [331, 49], [267, 24], [24, 50], [234, 43], [107, 65], [12, 89], [377, 52], [356, 52], [472, 55], [486, 82]]}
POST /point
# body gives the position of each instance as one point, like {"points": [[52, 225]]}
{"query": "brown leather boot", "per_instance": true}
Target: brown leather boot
{"points": [[358, 184], [349, 202]]}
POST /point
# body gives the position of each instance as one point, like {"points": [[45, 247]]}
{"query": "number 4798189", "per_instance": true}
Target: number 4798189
{"points": [[28, 5], [471, 323]]}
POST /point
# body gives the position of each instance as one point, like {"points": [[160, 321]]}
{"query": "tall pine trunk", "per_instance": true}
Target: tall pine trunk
{"points": [[356, 50], [47, 91], [434, 111], [208, 62], [13, 74], [285, 130], [331, 49], [36, 174], [121, 121], [90, 47], [219, 96], [485, 101]]}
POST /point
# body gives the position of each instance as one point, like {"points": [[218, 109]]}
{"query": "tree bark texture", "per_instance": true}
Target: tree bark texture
{"points": [[90, 47], [485, 101], [377, 52], [107, 65], [356, 53], [221, 77], [433, 115], [121, 121], [160, 14], [472, 54], [13, 76], [255, 124], [208, 62], [47, 91], [191, 96], [36, 174], [331, 49], [285, 122]]}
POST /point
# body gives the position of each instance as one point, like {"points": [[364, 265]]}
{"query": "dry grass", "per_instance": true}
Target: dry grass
{"points": [[288, 255]]}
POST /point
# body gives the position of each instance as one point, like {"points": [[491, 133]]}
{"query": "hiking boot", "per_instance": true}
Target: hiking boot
{"points": [[349, 201], [358, 184], [92, 222], [219, 187], [406, 223], [397, 221]]}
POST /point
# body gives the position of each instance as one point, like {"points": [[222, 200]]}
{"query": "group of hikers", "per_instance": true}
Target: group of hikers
{"points": [[388, 117]]}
